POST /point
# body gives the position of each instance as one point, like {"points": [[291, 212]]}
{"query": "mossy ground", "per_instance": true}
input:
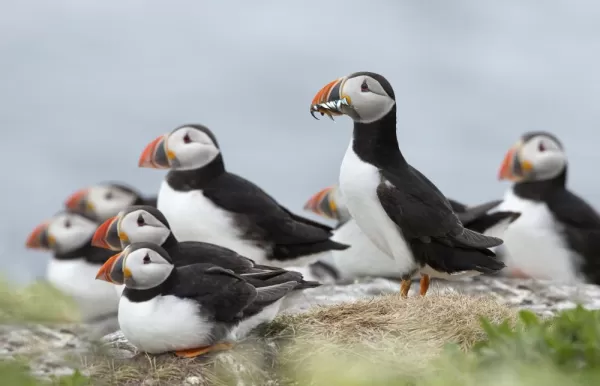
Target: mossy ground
{"points": [[385, 340]]}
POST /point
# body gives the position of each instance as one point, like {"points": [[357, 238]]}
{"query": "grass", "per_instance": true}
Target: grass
{"points": [[445, 340]]}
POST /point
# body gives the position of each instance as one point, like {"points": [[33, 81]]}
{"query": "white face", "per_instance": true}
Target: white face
{"points": [[147, 267], [191, 147], [546, 157], [367, 98], [141, 226], [106, 201], [70, 231]]}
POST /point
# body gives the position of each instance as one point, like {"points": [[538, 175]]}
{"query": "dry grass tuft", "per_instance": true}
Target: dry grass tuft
{"points": [[385, 330]]}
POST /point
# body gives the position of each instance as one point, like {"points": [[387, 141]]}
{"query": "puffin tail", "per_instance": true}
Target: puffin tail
{"points": [[494, 224], [451, 259]]}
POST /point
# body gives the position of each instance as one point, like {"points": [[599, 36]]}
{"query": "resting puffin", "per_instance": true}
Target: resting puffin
{"points": [[364, 258], [204, 202], [144, 223], [396, 206], [558, 234], [193, 309], [74, 263], [105, 200]]}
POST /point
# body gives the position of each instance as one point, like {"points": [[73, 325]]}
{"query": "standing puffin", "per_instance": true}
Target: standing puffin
{"points": [[193, 309], [144, 223], [364, 258], [558, 234], [393, 204], [204, 202], [74, 263], [105, 200]]}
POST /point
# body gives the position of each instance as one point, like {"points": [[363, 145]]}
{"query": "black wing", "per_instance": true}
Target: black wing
{"points": [[423, 212], [581, 223], [265, 296], [306, 220], [218, 290], [242, 197], [194, 252]]}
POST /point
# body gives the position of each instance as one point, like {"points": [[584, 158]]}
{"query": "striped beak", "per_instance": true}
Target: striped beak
{"points": [[113, 270], [107, 235], [78, 202], [323, 203], [513, 168], [331, 101], [156, 155], [39, 238]]}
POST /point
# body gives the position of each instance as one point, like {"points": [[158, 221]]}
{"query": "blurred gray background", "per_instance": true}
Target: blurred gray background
{"points": [[84, 86]]}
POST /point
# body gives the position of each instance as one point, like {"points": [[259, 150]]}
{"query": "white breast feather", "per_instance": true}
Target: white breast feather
{"points": [[533, 244], [77, 279], [358, 183], [193, 217], [165, 323]]}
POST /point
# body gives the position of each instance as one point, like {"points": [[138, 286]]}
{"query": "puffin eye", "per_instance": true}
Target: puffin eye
{"points": [[108, 195], [67, 223], [364, 87], [541, 147], [146, 259], [140, 221], [186, 138]]}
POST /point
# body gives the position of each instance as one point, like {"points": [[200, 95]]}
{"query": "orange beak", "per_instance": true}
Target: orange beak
{"points": [[78, 201], [331, 101], [156, 155], [323, 203], [513, 168], [107, 235], [39, 238], [105, 270]]}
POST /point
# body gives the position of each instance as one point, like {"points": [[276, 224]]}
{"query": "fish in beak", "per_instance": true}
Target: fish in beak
{"points": [[331, 100], [156, 155], [107, 235], [323, 204], [513, 168], [39, 238], [79, 202], [113, 270]]}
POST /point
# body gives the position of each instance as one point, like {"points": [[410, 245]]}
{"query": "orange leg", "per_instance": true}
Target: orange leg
{"points": [[424, 284], [405, 287], [516, 272], [194, 352]]}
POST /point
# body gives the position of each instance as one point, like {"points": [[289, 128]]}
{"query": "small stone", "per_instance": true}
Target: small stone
{"points": [[193, 380]]}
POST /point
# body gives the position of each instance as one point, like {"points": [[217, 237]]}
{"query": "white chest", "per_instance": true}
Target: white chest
{"points": [[164, 323], [533, 242], [358, 183], [77, 279], [193, 217]]}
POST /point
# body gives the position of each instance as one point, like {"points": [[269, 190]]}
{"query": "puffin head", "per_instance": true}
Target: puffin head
{"points": [[537, 156], [327, 203], [187, 147], [102, 201], [140, 223], [63, 233], [139, 266], [365, 97]]}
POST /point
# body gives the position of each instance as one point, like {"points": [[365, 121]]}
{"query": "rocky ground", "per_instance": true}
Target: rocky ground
{"points": [[54, 351]]}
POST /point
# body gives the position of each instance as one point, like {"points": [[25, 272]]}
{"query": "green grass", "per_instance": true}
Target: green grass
{"points": [[439, 340]]}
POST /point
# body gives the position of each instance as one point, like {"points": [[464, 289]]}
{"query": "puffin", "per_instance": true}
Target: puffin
{"points": [[204, 202], [74, 263], [191, 310], [105, 200], [364, 258], [401, 211], [557, 236], [144, 223]]}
